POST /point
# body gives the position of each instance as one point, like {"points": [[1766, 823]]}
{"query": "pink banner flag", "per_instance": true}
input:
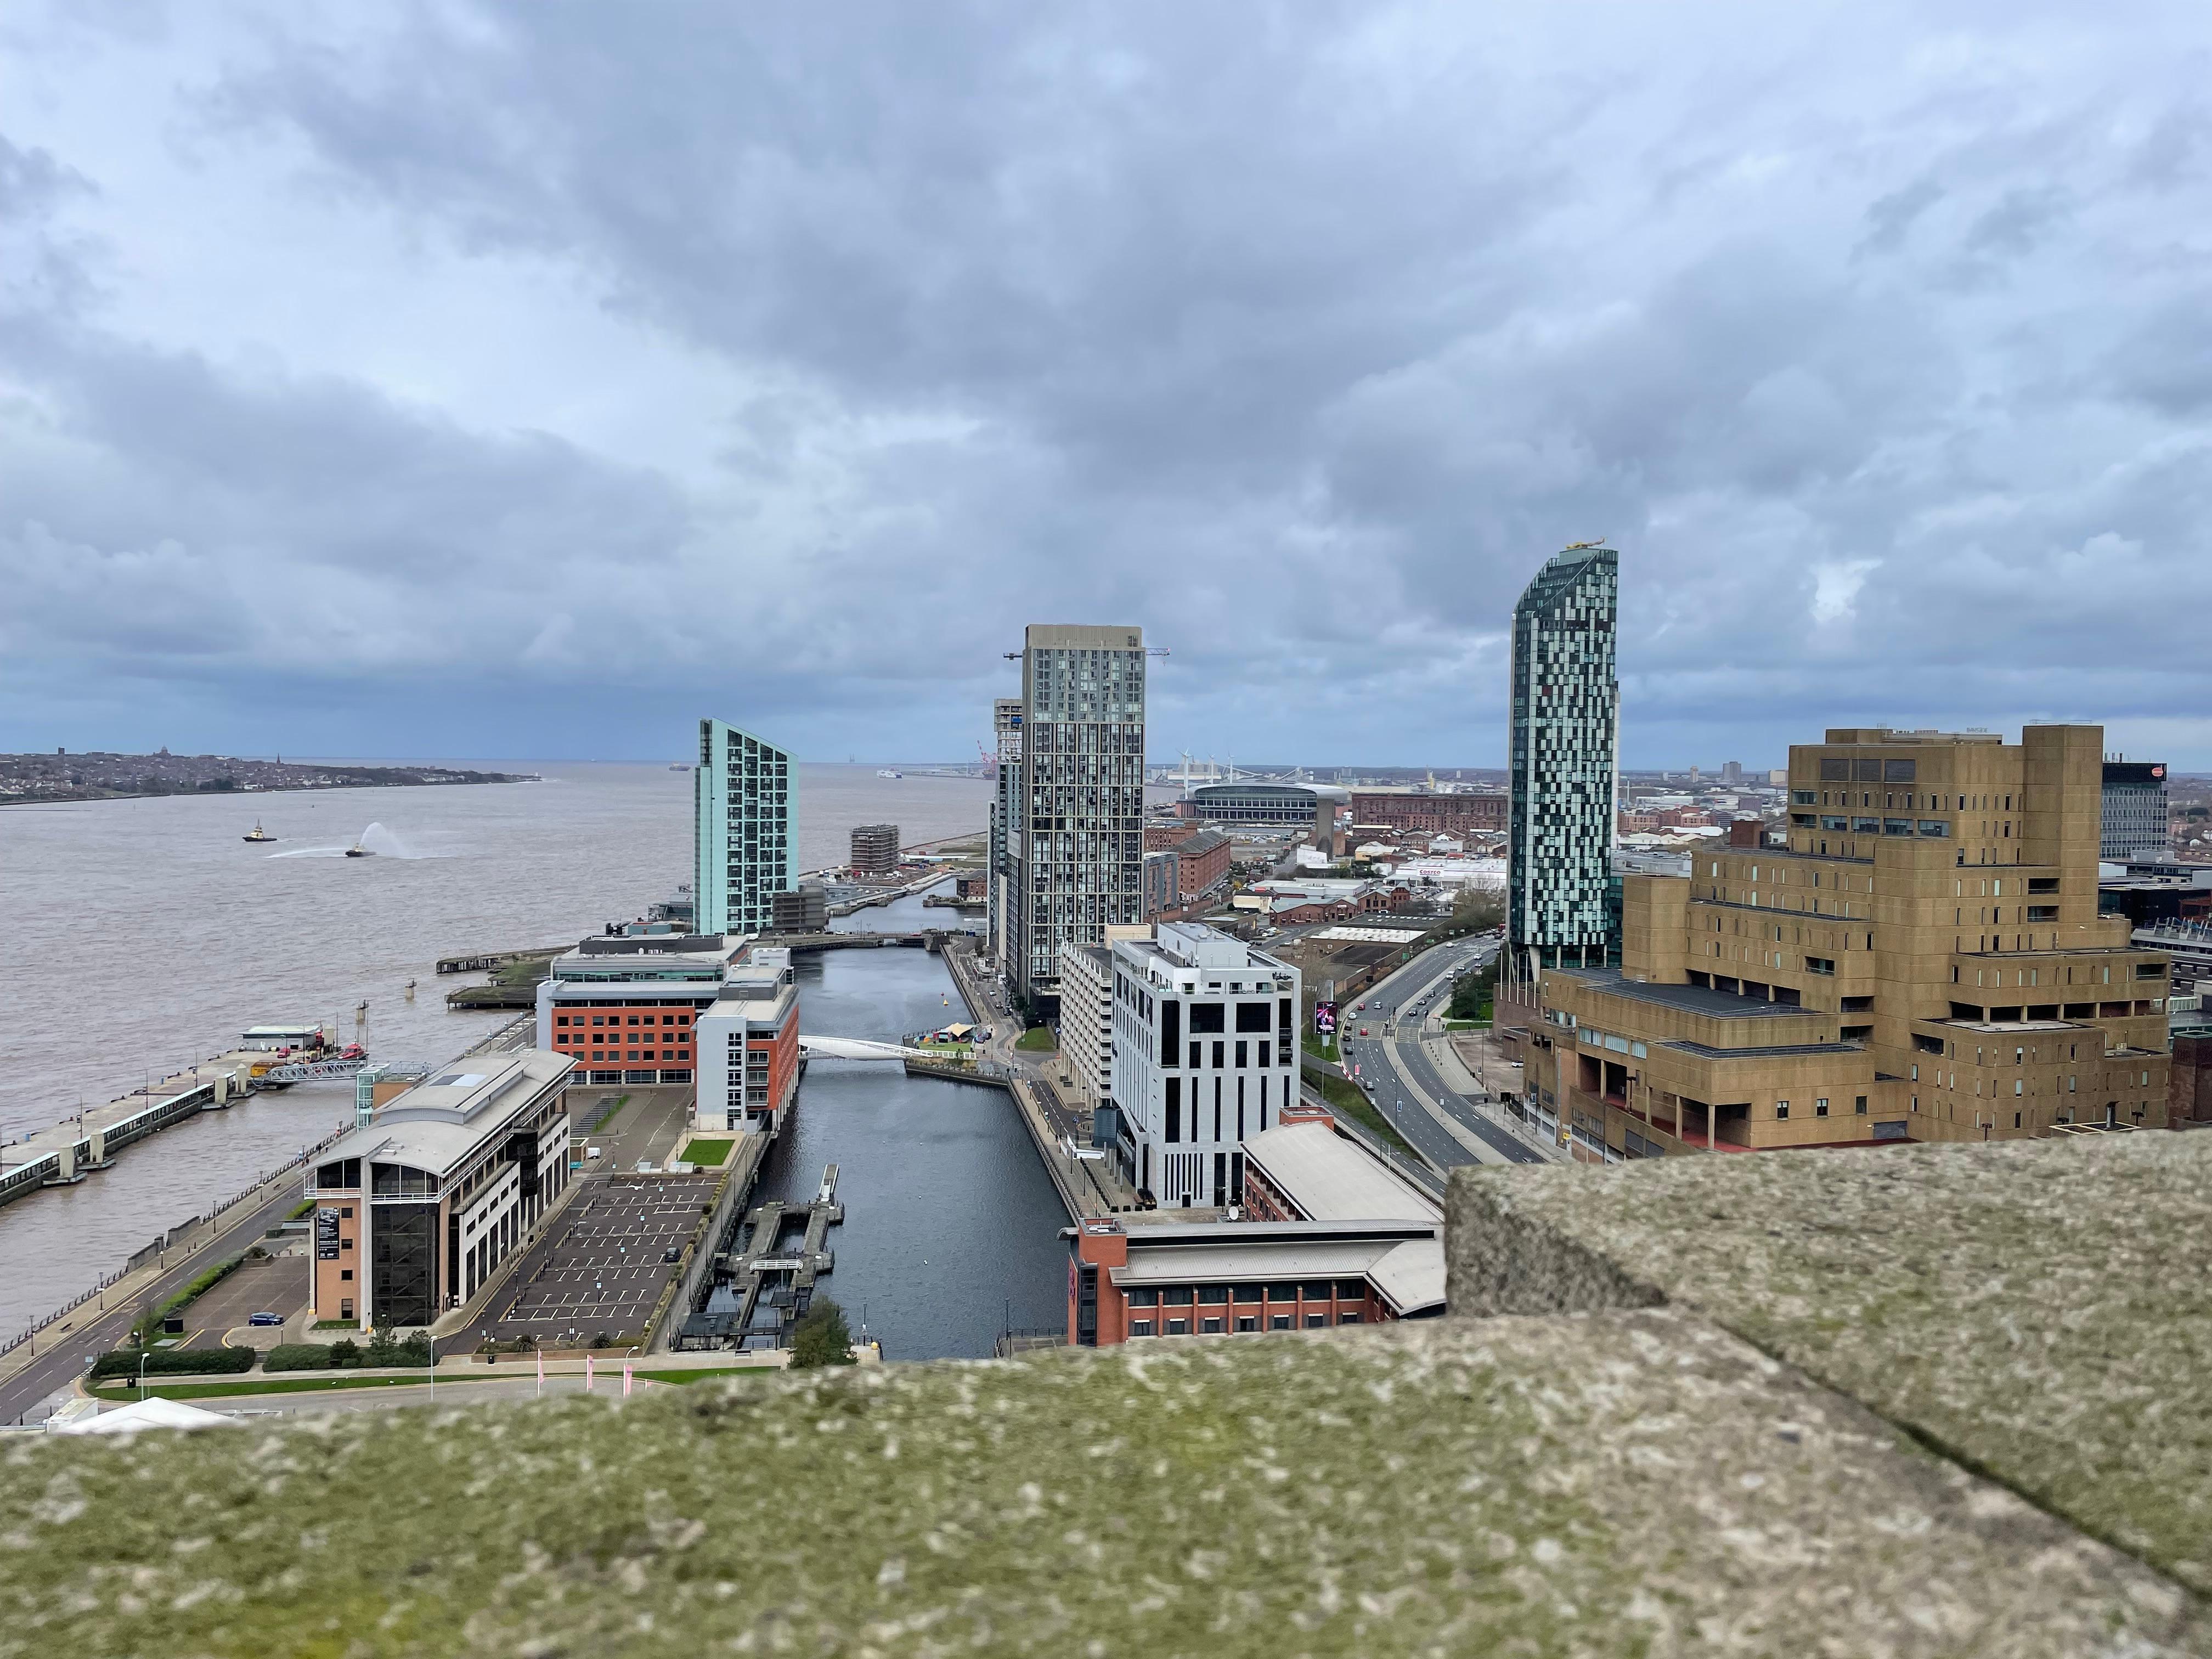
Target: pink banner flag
{"points": [[625, 1379], [587, 1373]]}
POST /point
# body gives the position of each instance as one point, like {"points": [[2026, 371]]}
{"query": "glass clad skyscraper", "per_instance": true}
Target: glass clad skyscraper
{"points": [[1074, 832], [1565, 726], [745, 830]]}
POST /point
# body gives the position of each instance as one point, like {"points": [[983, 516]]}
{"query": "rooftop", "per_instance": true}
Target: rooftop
{"points": [[441, 1121], [1692, 999], [1331, 1177]]}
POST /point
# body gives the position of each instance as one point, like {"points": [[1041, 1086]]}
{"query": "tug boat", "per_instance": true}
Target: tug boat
{"points": [[259, 834], [357, 851]]}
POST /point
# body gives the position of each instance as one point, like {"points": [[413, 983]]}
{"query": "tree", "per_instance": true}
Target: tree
{"points": [[1478, 909], [345, 1351], [822, 1338]]}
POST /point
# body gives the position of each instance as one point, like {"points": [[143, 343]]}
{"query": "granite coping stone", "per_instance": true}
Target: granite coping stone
{"points": [[2036, 1310], [1630, 1482]]}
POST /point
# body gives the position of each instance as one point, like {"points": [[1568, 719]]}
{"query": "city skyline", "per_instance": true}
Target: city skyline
{"points": [[345, 412]]}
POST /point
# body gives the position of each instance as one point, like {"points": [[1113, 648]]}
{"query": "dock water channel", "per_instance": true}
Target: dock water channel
{"points": [[951, 1228]]}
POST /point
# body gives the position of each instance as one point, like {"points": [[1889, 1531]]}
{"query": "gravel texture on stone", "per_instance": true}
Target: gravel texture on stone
{"points": [[2037, 1310], [1632, 1483]]}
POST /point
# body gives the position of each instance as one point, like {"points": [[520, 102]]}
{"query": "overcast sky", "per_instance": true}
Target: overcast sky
{"points": [[444, 379]]}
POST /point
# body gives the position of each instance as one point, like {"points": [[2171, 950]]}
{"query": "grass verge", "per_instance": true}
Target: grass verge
{"points": [[1347, 1098], [1037, 1040], [708, 1152], [702, 1376]]}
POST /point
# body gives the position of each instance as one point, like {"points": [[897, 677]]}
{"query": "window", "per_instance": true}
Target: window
{"points": [[1176, 1296], [1351, 1318], [1247, 1292], [1859, 1105], [1820, 964], [1210, 1327], [1934, 828], [1316, 1322], [1178, 1327], [1252, 1016], [1248, 1322], [1781, 1108], [1143, 1296], [1212, 1295], [1313, 1292], [1208, 1017], [1282, 1292], [1141, 1328], [1821, 1107], [2043, 912], [345, 1274], [1278, 1321]]}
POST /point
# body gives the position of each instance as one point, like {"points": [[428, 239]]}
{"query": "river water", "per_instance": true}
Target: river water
{"points": [[137, 936]]}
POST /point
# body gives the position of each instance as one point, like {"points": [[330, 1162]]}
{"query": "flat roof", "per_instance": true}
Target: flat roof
{"points": [[1780, 1050], [1409, 1273], [437, 1124], [1331, 1177], [1692, 999]]}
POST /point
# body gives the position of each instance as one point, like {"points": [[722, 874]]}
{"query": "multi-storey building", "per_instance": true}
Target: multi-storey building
{"points": [[1332, 1236], [1423, 811], [1563, 731], [749, 1046], [1189, 872], [2134, 818], [1006, 791], [1086, 1019], [1074, 832], [1205, 1055], [745, 831], [805, 910], [875, 849], [1924, 961], [417, 1206], [623, 1007]]}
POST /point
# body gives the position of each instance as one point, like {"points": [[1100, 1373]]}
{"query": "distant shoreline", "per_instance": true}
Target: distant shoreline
{"points": [[62, 778]]}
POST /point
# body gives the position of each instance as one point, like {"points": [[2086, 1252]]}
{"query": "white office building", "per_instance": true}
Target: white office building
{"points": [[1204, 1030]]}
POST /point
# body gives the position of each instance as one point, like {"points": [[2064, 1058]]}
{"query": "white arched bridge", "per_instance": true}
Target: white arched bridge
{"points": [[828, 1047]]}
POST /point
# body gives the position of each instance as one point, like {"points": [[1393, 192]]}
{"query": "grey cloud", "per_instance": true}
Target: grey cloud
{"points": [[1300, 335]]}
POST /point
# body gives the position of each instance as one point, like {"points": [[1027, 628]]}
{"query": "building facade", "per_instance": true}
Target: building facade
{"points": [[415, 1209], [623, 1007], [2134, 812], [1420, 811], [1086, 1019], [875, 849], [1188, 874], [1075, 835], [1205, 1055], [745, 831], [1835, 992], [1564, 736], [804, 909], [1006, 787], [1279, 805], [749, 1047]]}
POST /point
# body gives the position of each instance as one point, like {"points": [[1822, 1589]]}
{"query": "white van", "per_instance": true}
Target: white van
{"points": [[590, 1153]]}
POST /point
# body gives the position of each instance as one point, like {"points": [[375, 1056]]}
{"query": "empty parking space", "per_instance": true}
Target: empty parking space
{"points": [[603, 1273]]}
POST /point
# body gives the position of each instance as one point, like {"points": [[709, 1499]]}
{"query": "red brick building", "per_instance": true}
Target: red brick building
{"points": [[1417, 811], [1337, 1238]]}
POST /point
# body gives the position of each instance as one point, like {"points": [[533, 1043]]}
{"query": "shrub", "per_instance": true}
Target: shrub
{"points": [[345, 1351], [300, 1356], [173, 1362]]}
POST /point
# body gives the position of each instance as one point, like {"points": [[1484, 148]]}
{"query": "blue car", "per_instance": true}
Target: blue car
{"points": [[265, 1319]]}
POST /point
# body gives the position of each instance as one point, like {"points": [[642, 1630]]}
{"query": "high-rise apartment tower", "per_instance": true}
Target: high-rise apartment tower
{"points": [[744, 839], [2135, 810], [875, 849], [1074, 826], [1564, 730], [1005, 786]]}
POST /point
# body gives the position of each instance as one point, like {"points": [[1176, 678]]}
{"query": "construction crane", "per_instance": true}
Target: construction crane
{"points": [[1576, 547]]}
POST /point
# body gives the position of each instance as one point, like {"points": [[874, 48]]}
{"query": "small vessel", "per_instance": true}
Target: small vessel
{"points": [[357, 851], [259, 834], [677, 766], [887, 773]]}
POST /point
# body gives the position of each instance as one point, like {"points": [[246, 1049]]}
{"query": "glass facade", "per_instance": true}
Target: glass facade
{"points": [[2135, 810], [1074, 828], [1565, 727], [745, 834]]}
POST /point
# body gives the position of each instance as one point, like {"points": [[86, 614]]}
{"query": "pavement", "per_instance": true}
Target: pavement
{"points": [[1404, 1062], [652, 1120]]}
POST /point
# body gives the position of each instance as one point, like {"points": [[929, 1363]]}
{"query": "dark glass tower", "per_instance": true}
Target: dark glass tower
{"points": [[1565, 725]]}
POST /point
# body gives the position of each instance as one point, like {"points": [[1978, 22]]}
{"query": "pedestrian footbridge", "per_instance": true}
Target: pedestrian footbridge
{"points": [[825, 1048]]}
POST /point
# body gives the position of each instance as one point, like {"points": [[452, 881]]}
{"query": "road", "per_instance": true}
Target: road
{"points": [[65, 1351], [1406, 1084]]}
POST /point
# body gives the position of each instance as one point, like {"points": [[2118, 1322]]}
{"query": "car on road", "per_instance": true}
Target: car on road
{"points": [[264, 1318], [1363, 1030], [672, 1253]]}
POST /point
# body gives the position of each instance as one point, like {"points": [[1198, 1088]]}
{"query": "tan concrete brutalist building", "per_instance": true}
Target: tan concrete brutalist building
{"points": [[1925, 962]]}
